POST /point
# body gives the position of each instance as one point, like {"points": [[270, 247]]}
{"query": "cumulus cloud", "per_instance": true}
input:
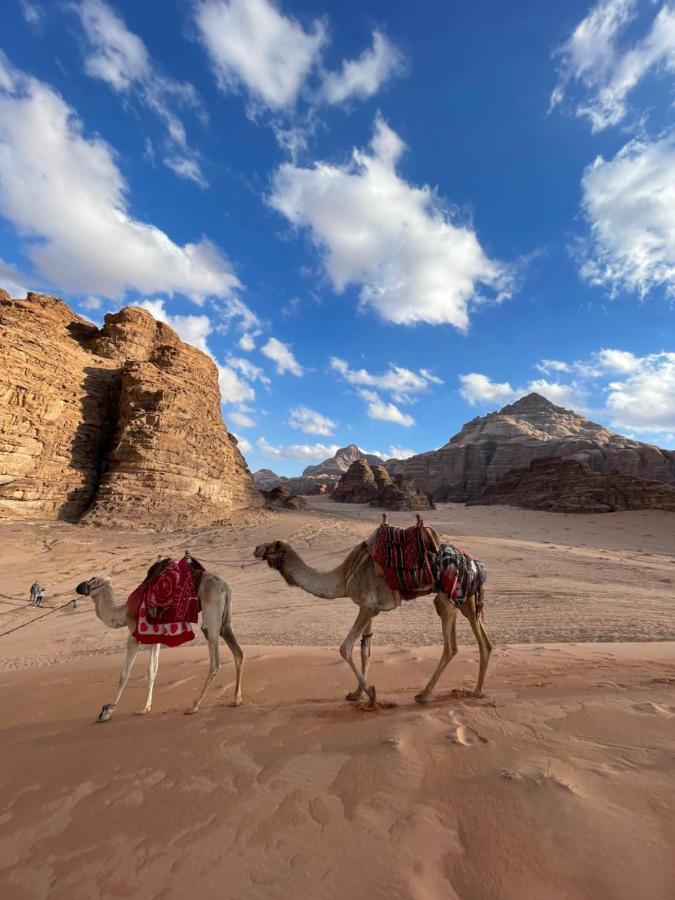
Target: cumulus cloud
{"points": [[250, 371], [629, 203], [241, 419], [385, 412], [120, 58], [192, 329], [244, 445], [246, 342], [253, 46], [364, 76], [400, 452], [311, 422], [399, 381], [282, 356], [414, 263], [630, 392], [234, 390], [305, 452], [608, 73], [12, 281], [66, 195]]}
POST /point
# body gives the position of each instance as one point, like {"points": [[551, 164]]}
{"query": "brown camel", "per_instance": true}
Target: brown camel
{"points": [[356, 578], [215, 600]]}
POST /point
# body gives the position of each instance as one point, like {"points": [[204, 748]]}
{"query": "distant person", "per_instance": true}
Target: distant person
{"points": [[40, 599], [34, 588]]}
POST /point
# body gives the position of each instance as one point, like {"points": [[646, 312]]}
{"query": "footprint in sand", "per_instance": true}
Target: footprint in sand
{"points": [[657, 709], [464, 735]]}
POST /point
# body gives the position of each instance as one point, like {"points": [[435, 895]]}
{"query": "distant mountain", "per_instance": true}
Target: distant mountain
{"points": [[266, 479], [533, 427], [342, 460]]}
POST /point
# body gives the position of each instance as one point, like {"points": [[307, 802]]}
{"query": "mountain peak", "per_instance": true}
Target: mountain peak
{"points": [[530, 403]]}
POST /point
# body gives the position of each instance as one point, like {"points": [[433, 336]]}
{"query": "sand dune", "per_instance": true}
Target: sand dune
{"points": [[558, 784]]}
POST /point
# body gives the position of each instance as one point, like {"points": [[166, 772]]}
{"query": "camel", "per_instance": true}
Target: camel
{"points": [[215, 599], [356, 578]]}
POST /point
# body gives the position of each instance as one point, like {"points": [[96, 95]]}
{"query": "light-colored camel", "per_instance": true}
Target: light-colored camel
{"points": [[215, 599], [356, 578]]}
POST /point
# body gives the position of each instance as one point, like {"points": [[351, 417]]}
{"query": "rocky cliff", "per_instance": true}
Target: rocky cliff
{"points": [[363, 484], [565, 485], [325, 476], [266, 479], [533, 427], [119, 425]]}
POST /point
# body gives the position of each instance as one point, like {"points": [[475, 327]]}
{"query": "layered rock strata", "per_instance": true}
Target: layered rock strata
{"points": [[119, 425], [363, 484], [532, 428], [565, 485]]}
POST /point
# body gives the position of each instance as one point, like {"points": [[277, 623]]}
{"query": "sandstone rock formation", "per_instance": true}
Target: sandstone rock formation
{"points": [[324, 477], [266, 479], [120, 425], [363, 484], [281, 498], [533, 427], [566, 485]]}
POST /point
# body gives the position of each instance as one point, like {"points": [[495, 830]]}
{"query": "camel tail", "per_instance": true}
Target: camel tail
{"points": [[227, 609], [480, 602]]}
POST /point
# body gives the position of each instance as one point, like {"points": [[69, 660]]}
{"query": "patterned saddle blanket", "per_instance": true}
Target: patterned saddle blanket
{"points": [[165, 604], [412, 564]]}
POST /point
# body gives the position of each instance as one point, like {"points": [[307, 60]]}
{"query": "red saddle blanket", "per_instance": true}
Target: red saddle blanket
{"points": [[164, 606], [404, 554]]}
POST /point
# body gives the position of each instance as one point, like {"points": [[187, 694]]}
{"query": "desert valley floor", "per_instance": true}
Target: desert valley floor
{"points": [[558, 783]]}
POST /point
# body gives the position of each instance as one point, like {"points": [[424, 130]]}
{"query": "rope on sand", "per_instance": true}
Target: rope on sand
{"points": [[37, 619]]}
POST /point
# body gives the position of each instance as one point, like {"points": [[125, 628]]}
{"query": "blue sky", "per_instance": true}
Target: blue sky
{"points": [[380, 219]]}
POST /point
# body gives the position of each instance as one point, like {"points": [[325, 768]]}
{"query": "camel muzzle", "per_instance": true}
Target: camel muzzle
{"points": [[83, 588]]}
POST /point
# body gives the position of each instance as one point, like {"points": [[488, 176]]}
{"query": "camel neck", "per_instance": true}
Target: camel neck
{"points": [[112, 614], [328, 585]]}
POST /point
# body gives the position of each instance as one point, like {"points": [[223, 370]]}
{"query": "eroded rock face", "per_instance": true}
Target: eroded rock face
{"points": [[266, 479], [281, 498], [532, 428], [323, 478], [363, 484], [120, 425], [565, 485]]}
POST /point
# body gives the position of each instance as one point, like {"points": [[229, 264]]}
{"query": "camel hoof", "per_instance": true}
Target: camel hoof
{"points": [[106, 713], [191, 710], [422, 698], [236, 702], [354, 695], [143, 712], [478, 694]]}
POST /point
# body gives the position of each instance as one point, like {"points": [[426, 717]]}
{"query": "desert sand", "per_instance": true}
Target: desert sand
{"points": [[558, 783]]}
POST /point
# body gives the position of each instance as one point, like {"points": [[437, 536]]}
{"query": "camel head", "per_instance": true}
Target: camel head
{"points": [[88, 587], [273, 553]]}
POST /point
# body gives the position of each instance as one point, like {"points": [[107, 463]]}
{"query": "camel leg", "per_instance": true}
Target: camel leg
{"points": [[484, 644], [366, 650], [347, 648], [238, 655], [447, 610], [109, 708], [214, 666], [153, 666]]}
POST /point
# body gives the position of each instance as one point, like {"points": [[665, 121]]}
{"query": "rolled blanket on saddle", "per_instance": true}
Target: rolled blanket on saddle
{"points": [[166, 603], [412, 564]]}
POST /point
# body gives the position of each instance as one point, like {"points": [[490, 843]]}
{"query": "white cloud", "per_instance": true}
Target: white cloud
{"points": [[479, 389], [186, 167], [233, 389], [400, 452], [306, 452], [364, 76], [120, 58], [399, 381], [592, 57], [282, 355], [250, 371], [414, 264], [11, 280], [311, 422], [66, 190], [246, 342], [645, 398], [253, 46], [385, 412], [192, 329], [629, 203], [32, 12], [552, 365], [241, 419], [630, 392], [91, 303], [244, 445]]}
